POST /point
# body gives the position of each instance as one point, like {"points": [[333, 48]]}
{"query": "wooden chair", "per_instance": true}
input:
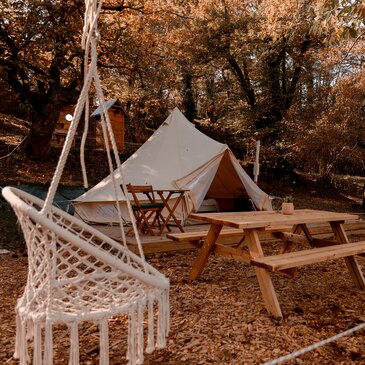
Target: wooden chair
{"points": [[146, 213]]}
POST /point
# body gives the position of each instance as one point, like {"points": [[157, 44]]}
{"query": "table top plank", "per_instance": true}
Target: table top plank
{"points": [[268, 219]]}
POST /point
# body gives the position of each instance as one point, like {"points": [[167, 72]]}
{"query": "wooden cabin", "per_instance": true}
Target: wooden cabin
{"points": [[95, 139], [117, 118], [62, 126]]}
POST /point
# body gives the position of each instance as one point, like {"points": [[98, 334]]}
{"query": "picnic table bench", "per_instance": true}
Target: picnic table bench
{"points": [[311, 256], [198, 236]]}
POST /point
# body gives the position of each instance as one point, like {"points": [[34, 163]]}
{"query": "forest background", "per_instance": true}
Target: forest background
{"points": [[287, 73]]}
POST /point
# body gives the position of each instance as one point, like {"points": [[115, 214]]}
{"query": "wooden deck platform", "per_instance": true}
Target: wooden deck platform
{"points": [[155, 244]]}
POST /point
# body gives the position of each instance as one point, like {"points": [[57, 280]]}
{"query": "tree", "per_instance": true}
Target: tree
{"points": [[135, 66], [42, 57], [39, 43], [336, 143], [264, 47], [245, 66], [340, 19]]}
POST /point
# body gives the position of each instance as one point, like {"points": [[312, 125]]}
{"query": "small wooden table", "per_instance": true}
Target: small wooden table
{"points": [[252, 222], [165, 196]]}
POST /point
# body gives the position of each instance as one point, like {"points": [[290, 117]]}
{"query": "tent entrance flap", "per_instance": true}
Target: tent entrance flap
{"points": [[198, 182], [227, 188]]}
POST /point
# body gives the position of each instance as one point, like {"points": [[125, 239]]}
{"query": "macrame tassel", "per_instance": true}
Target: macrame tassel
{"points": [[160, 342], [104, 342], [18, 338], [37, 344], [23, 354], [151, 329], [131, 353], [74, 348], [48, 344], [30, 330], [163, 319], [140, 347], [166, 295]]}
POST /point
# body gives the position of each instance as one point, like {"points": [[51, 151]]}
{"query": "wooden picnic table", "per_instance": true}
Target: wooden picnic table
{"points": [[252, 222]]}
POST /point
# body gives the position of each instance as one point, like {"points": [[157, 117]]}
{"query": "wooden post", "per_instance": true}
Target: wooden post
{"points": [[263, 276], [352, 266], [205, 251]]}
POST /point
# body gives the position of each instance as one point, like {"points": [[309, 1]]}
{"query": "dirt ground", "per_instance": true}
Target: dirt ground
{"points": [[220, 318]]}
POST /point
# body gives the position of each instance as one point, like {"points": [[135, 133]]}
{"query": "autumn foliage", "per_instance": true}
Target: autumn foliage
{"points": [[289, 73]]}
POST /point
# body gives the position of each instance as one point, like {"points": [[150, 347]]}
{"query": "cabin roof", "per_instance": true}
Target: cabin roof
{"points": [[108, 105]]}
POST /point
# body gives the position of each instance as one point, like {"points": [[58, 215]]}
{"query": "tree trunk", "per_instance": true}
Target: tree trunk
{"points": [[43, 122], [268, 116], [187, 92], [243, 79], [280, 83], [38, 140]]}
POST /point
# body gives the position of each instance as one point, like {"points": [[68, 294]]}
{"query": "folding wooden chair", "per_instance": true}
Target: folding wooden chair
{"points": [[146, 213]]}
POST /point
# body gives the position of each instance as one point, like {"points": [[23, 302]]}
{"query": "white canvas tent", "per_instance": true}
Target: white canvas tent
{"points": [[179, 156]]}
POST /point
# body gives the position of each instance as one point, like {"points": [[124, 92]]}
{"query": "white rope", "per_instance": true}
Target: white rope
{"points": [[89, 37], [89, 43], [314, 346], [76, 273], [109, 137]]}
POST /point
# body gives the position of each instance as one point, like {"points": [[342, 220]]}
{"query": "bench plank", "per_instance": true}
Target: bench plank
{"points": [[231, 232], [310, 256], [200, 235]]}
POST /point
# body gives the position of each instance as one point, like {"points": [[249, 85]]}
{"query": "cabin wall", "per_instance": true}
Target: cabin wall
{"points": [[116, 117], [62, 126], [95, 135]]}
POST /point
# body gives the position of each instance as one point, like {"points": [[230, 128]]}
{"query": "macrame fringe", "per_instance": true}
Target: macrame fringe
{"points": [[30, 330], [163, 319], [151, 327], [18, 337], [48, 344], [37, 344], [104, 342], [131, 352], [74, 348], [23, 343], [140, 345]]}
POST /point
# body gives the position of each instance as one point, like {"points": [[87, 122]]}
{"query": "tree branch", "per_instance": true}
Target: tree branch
{"points": [[353, 45], [243, 80]]}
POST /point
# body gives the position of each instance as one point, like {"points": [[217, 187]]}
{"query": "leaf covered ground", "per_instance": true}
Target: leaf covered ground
{"points": [[220, 318]]}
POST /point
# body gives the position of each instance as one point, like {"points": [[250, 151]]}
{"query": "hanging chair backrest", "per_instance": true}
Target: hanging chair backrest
{"points": [[63, 248]]}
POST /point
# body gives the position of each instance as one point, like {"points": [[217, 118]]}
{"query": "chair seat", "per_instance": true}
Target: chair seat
{"points": [[147, 212], [148, 206], [100, 297]]}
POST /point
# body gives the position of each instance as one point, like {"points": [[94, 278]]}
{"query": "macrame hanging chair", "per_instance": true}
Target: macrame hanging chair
{"points": [[76, 273]]}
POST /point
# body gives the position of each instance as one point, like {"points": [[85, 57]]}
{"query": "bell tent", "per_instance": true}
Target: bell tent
{"points": [[176, 156]]}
